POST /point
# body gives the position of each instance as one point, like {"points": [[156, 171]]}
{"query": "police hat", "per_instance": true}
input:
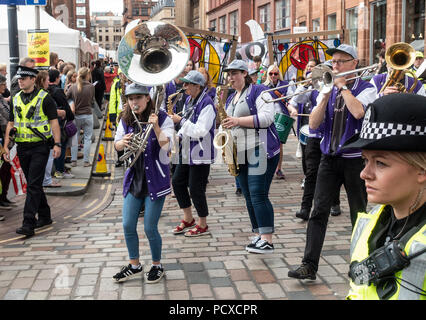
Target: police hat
{"points": [[24, 71], [395, 122]]}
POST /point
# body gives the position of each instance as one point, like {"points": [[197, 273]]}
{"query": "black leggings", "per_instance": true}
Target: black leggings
{"points": [[195, 177]]}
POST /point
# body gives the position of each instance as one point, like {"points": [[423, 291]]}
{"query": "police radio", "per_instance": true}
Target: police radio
{"points": [[381, 263]]}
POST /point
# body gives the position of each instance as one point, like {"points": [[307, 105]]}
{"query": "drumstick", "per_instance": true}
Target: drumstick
{"points": [[303, 114]]}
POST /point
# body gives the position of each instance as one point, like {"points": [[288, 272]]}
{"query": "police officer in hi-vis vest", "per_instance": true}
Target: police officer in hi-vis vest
{"points": [[388, 244], [34, 119]]}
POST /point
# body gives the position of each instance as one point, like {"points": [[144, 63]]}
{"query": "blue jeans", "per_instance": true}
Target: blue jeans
{"points": [[85, 122], [131, 209], [255, 188]]}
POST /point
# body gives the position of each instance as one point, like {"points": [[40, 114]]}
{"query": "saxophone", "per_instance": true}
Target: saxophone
{"points": [[223, 139]]}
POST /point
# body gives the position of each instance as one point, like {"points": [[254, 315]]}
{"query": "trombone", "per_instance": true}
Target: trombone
{"points": [[322, 80]]}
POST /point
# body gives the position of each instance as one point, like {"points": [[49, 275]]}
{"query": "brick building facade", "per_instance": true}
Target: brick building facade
{"points": [[75, 14], [137, 9], [368, 24]]}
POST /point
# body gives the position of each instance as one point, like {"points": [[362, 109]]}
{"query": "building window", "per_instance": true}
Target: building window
{"points": [[265, 17], [222, 24], [117, 38], [144, 12], [233, 22], [316, 25], [414, 20], [331, 24], [352, 25], [100, 38], [378, 29], [282, 12], [80, 1], [106, 38], [80, 11], [81, 23], [213, 25]]}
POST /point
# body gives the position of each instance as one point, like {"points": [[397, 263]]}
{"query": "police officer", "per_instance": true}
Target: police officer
{"points": [[393, 143], [34, 118]]}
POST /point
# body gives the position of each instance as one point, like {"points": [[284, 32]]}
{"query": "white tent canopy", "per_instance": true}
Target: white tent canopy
{"points": [[63, 40]]}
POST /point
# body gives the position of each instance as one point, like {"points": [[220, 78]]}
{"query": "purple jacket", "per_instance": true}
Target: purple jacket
{"points": [[352, 127], [380, 80], [156, 165], [313, 133], [205, 143], [272, 142]]}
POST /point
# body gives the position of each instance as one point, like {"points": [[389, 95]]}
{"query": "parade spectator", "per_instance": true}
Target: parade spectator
{"points": [[42, 82], [5, 174], [64, 115], [109, 76], [261, 70], [54, 59], [98, 81], [190, 65], [82, 93], [71, 78], [3, 72]]}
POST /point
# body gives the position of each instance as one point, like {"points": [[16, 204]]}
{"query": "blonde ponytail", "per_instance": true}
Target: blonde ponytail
{"points": [[82, 76]]}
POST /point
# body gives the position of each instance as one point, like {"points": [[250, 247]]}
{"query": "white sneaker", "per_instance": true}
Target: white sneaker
{"points": [[68, 175]]}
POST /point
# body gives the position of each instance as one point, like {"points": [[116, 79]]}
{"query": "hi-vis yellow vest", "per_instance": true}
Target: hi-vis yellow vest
{"points": [[39, 120], [414, 273], [114, 106]]}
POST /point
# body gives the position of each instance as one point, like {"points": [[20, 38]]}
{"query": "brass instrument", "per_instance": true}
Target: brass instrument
{"points": [[223, 140], [400, 56], [170, 105], [322, 80], [151, 53]]}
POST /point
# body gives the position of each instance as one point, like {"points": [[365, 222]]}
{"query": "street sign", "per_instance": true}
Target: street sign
{"points": [[24, 2]]}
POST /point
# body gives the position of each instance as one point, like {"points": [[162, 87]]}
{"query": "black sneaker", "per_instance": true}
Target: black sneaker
{"points": [[26, 231], [303, 214], [4, 206], [127, 272], [155, 274], [42, 223], [11, 203], [262, 246], [253, 242], [238, 192], [335, 210], [305, 271]]}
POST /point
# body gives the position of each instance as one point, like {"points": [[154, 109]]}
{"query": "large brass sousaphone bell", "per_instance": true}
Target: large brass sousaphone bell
{"points": [[151, 54]]}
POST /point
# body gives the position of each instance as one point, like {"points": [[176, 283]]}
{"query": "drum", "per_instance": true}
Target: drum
{"points": [[304, 134], [283, 123]]}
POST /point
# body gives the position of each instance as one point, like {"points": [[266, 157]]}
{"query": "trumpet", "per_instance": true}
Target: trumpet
{"points": [[400, 56], [151, 53], [322, 80]]}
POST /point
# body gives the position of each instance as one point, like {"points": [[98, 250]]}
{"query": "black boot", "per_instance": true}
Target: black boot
{"points": [[303, 214]]}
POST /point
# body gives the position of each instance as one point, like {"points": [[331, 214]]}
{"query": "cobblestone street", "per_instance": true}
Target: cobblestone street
{"points": [[76, 257]]}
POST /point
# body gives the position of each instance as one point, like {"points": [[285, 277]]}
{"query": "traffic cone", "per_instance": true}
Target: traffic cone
{"points": [[101, 167], [108, 132]]}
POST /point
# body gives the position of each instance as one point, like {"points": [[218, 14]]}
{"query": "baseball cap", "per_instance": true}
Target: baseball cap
{"points": [[135, 88], [345, 48], [237, 65], [194, 77]]}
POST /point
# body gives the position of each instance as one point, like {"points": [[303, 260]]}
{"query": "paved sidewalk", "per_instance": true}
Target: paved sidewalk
{"points": [[76, 258]]}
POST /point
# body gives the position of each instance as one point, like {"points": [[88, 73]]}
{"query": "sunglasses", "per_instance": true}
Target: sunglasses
{"points": [[273, 73]]}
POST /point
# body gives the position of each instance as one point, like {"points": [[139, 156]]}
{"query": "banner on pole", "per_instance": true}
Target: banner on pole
{"points": [[38, 47]]}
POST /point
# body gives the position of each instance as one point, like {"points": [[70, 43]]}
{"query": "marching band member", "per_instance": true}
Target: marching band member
{"points": [[393, 146], [274, 79], [147, 182], [342, 110], [252, 122], [196, 131], [306, 100], [380, 79]]}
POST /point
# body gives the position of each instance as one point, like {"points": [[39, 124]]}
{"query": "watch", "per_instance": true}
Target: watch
{"points": [[344, 88], [58, 144]]}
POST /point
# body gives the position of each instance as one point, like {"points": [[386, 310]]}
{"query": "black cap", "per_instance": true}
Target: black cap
{"points": [[395, 122], [24, 71]]}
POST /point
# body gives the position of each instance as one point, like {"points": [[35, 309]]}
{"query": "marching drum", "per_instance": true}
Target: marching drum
{"points": [[304, 134]]}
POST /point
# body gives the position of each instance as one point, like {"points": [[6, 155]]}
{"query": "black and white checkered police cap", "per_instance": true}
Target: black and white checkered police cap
{"points": [[395, 122]]}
